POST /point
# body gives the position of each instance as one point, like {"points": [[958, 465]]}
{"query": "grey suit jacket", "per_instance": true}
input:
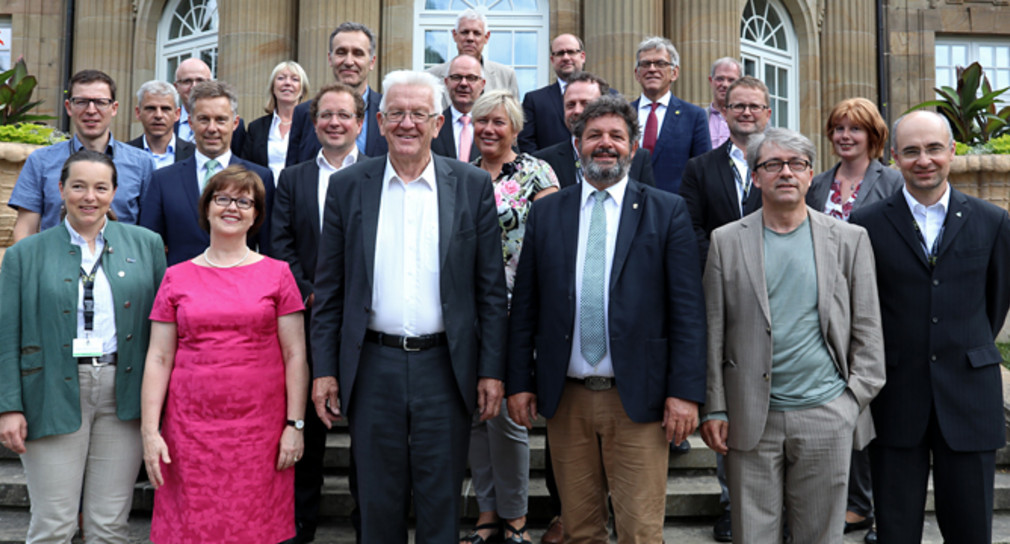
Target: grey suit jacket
{"points": [[879, 182], [471, 275], [496, 76], [739, 321]]}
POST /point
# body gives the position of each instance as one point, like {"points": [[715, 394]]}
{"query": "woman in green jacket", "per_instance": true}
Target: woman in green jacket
{"points": [[74, 302]]}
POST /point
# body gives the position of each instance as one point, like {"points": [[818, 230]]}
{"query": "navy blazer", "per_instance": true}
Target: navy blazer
{"points": [[183, 149], [709, 189], [170, 209], [303, 144], [879, 182], [544, 126], [561, 157], [684, 134], [471, 276], [445, 143], [656, 314], [257, 139], [237, 137], [940, 323]]}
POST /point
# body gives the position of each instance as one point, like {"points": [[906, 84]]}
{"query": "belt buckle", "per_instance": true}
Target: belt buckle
{"points": [[97, 363], [405, 343], [598, 383]]}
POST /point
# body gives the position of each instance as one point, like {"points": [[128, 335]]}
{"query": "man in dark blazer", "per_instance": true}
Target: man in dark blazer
{"points": [[351, 56], [943, 270], [672, 130], [623, 340], [157, 110], [409, 322], [170, 204], [464, 84], [544, 108], [580, 91]]}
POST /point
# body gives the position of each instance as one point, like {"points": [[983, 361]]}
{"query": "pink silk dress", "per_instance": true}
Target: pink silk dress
{"points": [[226, 406]]}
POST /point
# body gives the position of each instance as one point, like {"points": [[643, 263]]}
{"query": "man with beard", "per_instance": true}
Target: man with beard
{"points": [[608, 297]]}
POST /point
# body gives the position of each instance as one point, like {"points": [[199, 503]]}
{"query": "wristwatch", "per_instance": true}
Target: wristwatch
{"points": [[298, 424]]}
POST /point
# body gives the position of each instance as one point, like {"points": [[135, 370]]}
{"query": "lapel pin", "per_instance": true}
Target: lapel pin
{"points": [[957, 214], [634, 206], [121, 274], [676, 112], [131, 260]]}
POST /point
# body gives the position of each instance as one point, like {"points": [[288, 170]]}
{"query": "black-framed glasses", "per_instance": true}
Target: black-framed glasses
{"points": [[242, 202], [739, 108], [470, 78], [418, 117], [774, 166], [659, 64], [81, 103], [564, 52]]}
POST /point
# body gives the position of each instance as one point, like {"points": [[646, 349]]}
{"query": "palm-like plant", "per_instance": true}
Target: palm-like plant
{"points": [[16, 96], [973, 115]]}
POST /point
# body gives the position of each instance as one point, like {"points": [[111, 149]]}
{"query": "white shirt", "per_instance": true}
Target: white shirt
{"points": [[325, 171], [185, 131], [104, 324], [577, 365], [406, 298], [562, 84], [163, 159], [645, 106], [929, 218], [201, 162], [457, 129], [277, 147]]}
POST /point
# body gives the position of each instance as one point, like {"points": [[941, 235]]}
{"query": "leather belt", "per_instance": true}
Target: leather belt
{"points": [[595, 383], [406, 343], [104, 360]]}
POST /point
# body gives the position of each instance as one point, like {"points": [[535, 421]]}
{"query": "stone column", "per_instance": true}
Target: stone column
{"points": [[254, 36], [397, 43], [848, 52], [38, 30], [702, 32], [612, 31], [318, 18], [103, 30]]}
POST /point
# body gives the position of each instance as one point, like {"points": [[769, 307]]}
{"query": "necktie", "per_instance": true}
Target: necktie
{"points": [[211, 168], [745, 182], [592, 322], [465, 139], [651, 128]]}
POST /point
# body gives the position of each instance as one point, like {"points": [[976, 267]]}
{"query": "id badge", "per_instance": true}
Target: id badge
{"points": [[87, 347]]}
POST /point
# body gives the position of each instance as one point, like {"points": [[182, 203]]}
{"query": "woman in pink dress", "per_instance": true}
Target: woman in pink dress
{"points": [[224, 388]]}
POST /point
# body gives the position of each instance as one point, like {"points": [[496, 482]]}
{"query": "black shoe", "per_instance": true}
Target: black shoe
{"points": [[722, 531], [871, 537], [864, 523], [681, 449]]}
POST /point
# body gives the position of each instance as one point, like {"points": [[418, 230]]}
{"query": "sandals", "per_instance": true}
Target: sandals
{"points": [[517, 536], [475, 538]]}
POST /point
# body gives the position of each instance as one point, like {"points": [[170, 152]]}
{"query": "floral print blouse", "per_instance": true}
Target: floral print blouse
{"points": [[834, 206], [517, 184]]}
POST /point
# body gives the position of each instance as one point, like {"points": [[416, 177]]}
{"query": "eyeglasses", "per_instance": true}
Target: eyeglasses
{"points": [[774, 166], [659, 64], [739, 108], [471, 79], [566, 52], [398, 116], [242, 203], [342, 115], [190, 81], [82, 103], [912, 153]]}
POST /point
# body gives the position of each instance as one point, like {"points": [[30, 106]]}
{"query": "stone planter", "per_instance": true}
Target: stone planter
{"points": [[12, 158], [984, 176]]}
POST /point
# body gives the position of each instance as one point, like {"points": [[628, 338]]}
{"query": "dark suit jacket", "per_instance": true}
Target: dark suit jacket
{"points": [[237, 137], [257, 138], [544, 126], [445, 143], [561, 157], [709, 188], [472, 277], [170, 209], [939, 323], [183, 149], [656, 316], [684, 134], [302, 141], [879, 182]]}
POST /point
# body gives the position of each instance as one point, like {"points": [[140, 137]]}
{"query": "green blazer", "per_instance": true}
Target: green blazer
{"points": [[38, 321]]}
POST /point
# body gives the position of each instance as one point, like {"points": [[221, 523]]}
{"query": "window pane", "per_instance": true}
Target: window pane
{"points": [[783, 84], [959, 55], [985, 56], [525, 5], [526, 48], [210, 57], [770, 80], [943, 77], [499, 47], [1003, 57], [942, 55], [527, 79], [436, 4], [750, 67], [436, 46]]}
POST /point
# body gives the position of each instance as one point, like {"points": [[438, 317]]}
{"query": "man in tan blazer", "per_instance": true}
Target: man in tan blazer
{"points": [[795, 351]]}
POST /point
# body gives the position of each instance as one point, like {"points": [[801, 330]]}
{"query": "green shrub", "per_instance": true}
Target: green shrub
{"points": [[28, 133]]}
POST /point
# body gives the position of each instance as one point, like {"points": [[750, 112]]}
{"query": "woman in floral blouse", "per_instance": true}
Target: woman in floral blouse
{"points": [[499, 448]]}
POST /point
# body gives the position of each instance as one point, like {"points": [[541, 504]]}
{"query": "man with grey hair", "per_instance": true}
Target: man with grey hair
{"points": [[607, 321], [464, 84], [170, 204], [471, 35], [724, 72], [157, 110], [943, 270], [673, 130], [411, 248], [795, 351]]}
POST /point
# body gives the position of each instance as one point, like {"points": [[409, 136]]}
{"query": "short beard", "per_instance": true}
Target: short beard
{"points": [[606, 175]]}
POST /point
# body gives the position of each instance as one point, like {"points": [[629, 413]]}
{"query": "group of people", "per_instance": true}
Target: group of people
{"points": [[226, 293]]}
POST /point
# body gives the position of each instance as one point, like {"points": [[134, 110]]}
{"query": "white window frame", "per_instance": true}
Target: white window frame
{"points": [[6, 38], [185, 47], [997, 68], [760, 54], [523, 21]]}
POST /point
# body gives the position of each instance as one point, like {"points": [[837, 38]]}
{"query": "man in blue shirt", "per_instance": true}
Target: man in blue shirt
{"points": [[91, 105]]}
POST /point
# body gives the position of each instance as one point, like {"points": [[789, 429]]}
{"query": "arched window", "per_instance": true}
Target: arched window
{"points": [[519, 35], [768, 47], [188, 28]]}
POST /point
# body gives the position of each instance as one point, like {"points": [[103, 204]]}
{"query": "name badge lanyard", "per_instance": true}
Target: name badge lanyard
{"points": [[744, 184], [88, 280]]}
